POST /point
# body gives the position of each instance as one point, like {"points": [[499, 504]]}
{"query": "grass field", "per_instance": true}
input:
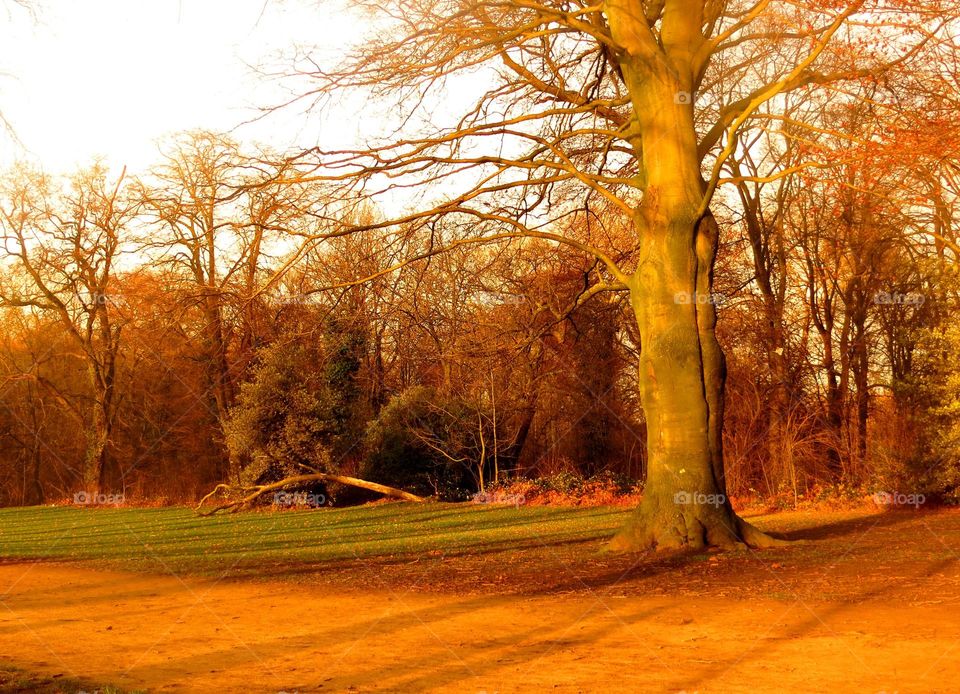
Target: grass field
{"points": [[175, 539], [470, 598]]}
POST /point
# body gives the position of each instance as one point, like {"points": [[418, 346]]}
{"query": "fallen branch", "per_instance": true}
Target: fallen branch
{"points": [[251, 494]]}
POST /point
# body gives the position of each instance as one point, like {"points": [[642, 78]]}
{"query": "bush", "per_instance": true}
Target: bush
{"points": [[935, 470], [298, 411], [567, 489], [423, 443]]}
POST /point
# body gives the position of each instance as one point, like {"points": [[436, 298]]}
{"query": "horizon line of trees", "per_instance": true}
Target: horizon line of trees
{"points": [[212, 321]]}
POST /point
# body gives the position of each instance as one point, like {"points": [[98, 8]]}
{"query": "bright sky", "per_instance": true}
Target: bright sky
{"points": [[110, 78]]}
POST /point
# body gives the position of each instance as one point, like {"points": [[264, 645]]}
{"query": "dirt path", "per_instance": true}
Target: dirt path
{"points": [[162, 634]]}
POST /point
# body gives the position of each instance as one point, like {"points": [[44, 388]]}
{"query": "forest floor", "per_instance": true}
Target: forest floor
{"points": [[471, 599]]}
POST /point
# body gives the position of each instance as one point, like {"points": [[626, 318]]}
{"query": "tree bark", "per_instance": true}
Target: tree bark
{"points": [[95, 454], [681, 369], [682, 376]]}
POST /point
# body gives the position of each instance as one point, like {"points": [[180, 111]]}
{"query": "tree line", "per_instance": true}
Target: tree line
{"points": [[191, 326]]}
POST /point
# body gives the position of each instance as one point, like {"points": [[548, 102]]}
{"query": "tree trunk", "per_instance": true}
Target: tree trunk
{"points": [[96, 449], [378, 387], [860, 375], [712, 357], [251, 494], [512, 456], [834, 407], [220, 382], [779, 458], [682, 368], [37, 496], [682, 375], [102, 373]]}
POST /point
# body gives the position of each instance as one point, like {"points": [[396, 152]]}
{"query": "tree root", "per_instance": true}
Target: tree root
{"points": [[664, 528], [756, 538], [251, 494]]}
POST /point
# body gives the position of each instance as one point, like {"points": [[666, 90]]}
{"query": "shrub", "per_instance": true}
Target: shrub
{"points": [[282, 420], [424, 443], [298, 412], [937, 471], [567, 489]]}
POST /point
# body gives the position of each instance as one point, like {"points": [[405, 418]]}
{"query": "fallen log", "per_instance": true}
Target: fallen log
{"points": [[252, 493]]}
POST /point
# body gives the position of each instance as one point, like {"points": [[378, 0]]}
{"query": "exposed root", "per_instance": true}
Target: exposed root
{"points": [[666, 527], [756, 538], [247, 495]]}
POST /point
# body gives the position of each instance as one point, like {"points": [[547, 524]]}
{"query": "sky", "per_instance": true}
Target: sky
{"points": [[110, 78]]}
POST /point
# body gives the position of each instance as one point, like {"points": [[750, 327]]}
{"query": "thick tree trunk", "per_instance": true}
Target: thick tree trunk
{"points": [[682, 375], [682, 369]]}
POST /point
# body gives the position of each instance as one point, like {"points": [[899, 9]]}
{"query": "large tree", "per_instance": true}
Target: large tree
{"points": [[577, 106], [512, 116]]}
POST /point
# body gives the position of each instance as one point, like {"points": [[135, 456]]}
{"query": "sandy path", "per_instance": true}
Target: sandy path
{"points": [[163, 634]]}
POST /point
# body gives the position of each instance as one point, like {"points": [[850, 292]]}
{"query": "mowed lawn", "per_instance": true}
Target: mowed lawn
{"points": [[177, 540], [490, 549]]}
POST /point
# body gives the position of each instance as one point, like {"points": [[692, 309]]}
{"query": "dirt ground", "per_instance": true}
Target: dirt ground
{"points": [[868, 604]]}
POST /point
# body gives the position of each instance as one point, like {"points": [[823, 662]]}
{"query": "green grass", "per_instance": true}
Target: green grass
{"points": [[175, 539]]}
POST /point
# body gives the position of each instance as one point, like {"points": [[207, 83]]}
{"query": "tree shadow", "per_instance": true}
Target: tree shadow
{"points": [[817, 618], [850, 526]]}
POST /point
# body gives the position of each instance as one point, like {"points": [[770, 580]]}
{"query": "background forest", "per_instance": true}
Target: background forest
{"points": [[169, 331], [239, 314]]}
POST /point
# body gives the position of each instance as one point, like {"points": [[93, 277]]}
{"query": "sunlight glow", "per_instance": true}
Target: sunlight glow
{"points": [[109, 78]]}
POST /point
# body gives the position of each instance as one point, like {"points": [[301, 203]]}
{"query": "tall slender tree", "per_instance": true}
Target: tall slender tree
{"points": [[65, 244]]}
